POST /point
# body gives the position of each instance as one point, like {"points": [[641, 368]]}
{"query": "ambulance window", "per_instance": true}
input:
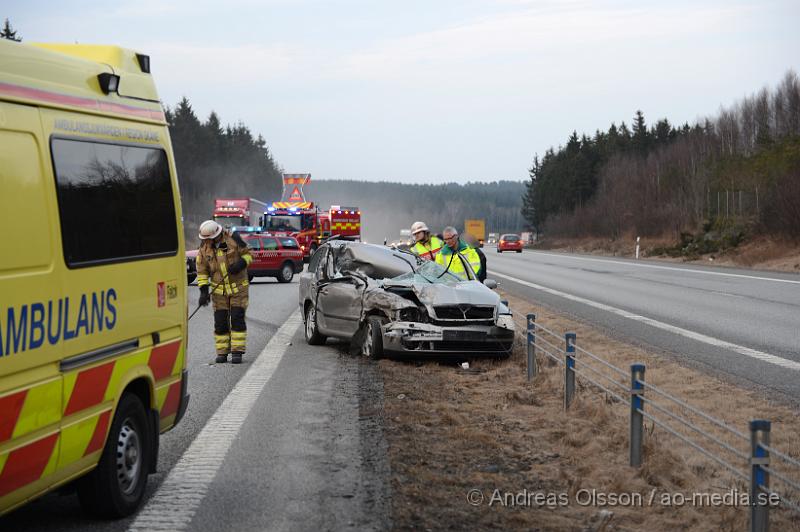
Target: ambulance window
{"points": [[115, 202]]}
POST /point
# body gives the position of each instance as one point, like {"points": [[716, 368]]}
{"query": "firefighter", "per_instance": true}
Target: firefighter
{"points": [[222, 262], [426, 245], [456, 256]]}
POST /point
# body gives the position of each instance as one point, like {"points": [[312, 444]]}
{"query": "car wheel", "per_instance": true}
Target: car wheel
{"points": [[313, 337], [287, 273], [250, 277], [373, 339], [190, 277], [116, 486], [519, 251]]}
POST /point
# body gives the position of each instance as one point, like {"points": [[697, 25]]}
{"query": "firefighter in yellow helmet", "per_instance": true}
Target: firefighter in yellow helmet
{"points": [[457, 257], [426, 245], [222, 261]]}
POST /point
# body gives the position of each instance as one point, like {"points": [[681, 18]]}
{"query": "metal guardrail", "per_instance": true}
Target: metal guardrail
{"points": [[756, 467]]}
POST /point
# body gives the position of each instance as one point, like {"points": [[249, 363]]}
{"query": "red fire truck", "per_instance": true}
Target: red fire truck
{"points": [[233, 212], [310, 225], [301, 219]]}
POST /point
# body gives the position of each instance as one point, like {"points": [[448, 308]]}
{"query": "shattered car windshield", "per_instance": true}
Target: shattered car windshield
{"points": [[428, 272]]}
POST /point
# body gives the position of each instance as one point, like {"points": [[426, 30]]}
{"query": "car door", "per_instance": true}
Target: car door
{"points": [[309, 278], [272, 260], [255, 251], [338, 301]]}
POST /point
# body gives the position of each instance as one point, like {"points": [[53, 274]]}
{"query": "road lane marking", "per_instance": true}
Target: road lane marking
{"points": [[658, 267], [716, 342], [174, 504]]}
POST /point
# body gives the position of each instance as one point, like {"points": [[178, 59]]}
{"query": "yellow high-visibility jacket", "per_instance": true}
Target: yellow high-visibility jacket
{"points": [[457, 262], [428, 251]]}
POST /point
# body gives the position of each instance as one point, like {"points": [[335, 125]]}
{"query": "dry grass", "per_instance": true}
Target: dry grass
{"points": [[762, 253], [450, 431]]}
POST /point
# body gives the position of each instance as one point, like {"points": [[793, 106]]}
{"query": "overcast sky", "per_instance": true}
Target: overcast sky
{"points": [[435, 90]]}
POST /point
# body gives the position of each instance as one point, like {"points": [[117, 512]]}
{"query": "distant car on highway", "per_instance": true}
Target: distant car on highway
{"points": [[509, 242], [392, 301], [274, 256]]}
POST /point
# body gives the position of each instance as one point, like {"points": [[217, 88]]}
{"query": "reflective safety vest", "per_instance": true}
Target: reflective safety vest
{"points": [[428, 251], [456, 263], [213, 265]]}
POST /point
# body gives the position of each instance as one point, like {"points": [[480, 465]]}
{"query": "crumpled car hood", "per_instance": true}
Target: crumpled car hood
{"points": [[468, 293], [464, 293]]}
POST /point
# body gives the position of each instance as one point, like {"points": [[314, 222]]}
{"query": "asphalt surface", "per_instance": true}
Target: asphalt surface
{"points": [[310, 454], [755, 310]]}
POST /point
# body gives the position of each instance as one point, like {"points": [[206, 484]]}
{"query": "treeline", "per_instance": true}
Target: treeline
{"points": [[386, 208], [215, 161], [743, 164]]}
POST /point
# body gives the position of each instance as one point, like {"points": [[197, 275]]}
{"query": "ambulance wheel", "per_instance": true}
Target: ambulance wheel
{"points": [[116, 486], [313, 336], [286, 274]]}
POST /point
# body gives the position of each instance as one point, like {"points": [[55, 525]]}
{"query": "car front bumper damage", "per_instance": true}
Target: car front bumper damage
{"points": [[424, 338]]}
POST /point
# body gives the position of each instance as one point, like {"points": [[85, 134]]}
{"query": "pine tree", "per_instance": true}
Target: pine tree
{"points": [[529, 211], [9, 33], [641, 138]]}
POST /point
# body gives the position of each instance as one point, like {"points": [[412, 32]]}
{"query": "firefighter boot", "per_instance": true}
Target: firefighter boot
{"points": [[222, 335], [238, 334]]}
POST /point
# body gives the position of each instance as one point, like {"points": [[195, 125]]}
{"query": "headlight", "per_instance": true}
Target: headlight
{"points": [[506, 321], [408, 314]]}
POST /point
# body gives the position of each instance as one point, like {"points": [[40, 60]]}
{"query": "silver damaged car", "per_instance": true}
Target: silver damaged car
{"points": [[386, 300]]}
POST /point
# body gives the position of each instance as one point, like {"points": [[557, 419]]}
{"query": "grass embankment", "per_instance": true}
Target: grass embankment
{"points": [[450, 431], [734, 250]]}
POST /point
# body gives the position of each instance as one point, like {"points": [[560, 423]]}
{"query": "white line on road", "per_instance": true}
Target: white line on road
{"points": [[658, 267], [174, 504], [752, 353]]}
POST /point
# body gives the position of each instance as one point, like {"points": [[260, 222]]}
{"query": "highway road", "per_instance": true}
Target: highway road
{"points": [[294, 445], [737, 322], [292, 439]]}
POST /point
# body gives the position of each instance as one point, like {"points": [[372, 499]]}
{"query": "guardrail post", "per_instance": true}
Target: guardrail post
{"points": [[569, 369], [637, 419], [531, 346], [759, 509]]}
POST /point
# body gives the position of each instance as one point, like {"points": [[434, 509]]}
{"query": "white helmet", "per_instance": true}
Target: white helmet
{"points": [[209, 229], [417, 227]]}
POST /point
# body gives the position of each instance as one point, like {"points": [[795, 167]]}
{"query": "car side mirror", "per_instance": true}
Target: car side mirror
{"points": [[491, 283]]}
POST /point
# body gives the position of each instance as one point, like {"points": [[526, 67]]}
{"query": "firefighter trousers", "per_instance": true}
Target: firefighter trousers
{"points": [[230, 329]]}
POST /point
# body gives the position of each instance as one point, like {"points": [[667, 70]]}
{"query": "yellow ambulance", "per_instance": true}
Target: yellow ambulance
{"points": [[92, 291]]}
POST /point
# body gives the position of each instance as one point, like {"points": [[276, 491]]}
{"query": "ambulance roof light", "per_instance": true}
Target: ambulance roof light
{"points": [[108, 82], [144, 62]]}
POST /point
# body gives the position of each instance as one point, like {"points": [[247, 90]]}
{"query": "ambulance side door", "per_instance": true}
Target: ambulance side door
{"points": [[31, 342]]}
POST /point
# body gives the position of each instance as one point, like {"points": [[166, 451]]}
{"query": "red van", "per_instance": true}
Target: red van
{"points": [[274, 256]]}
